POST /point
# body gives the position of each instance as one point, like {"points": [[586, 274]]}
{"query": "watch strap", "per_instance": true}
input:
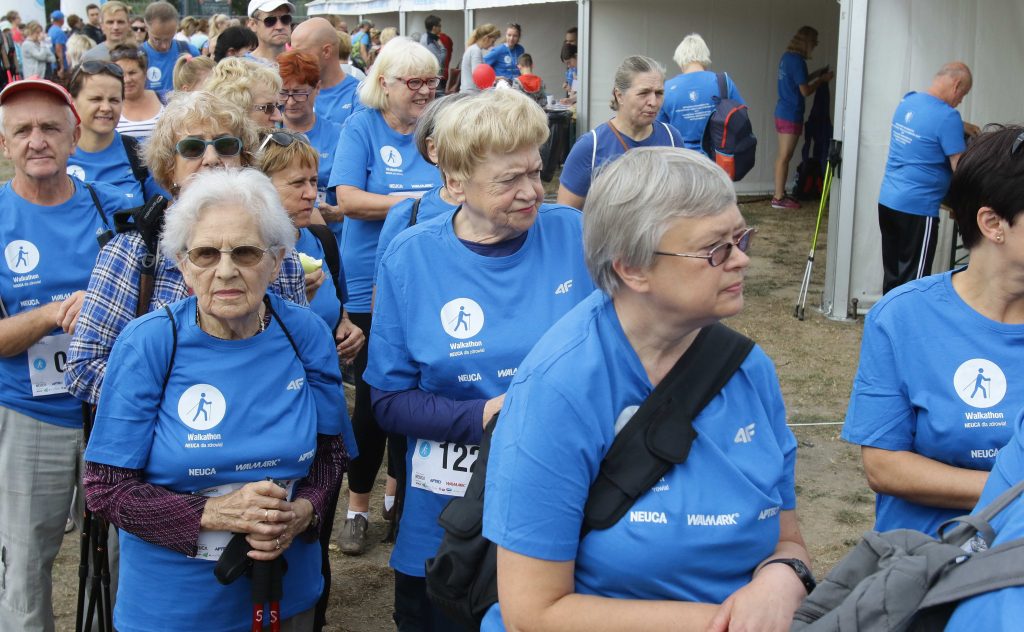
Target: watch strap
{"points": [[802, 572]]}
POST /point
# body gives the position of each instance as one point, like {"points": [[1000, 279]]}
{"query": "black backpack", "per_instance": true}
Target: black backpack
{"points": [[462, 579], [139, 170], [728, 135]]}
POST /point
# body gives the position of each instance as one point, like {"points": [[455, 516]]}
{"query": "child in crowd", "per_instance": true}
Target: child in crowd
{"points": [[528, 83]]}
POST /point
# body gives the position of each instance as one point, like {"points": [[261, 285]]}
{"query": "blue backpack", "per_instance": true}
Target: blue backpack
{"points": [[728, 136]]}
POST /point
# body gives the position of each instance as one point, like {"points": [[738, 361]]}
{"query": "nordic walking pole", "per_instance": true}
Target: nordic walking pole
{"points": [[805, 284]]}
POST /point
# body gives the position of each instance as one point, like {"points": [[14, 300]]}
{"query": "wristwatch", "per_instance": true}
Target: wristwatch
{"points": [[801, 570]]}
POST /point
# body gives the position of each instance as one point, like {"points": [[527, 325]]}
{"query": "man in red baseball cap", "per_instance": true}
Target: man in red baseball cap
{"points": [[49, 224]]}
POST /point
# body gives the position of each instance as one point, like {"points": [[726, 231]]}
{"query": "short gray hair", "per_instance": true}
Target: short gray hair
{"points": [[628, 70], [401, 57], [427, 121], [634, 199], [692, 50], [213, 188]]}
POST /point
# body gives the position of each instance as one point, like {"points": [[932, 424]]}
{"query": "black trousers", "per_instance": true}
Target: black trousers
{"points": [[414, 611], [370, 439], [908, 246]]}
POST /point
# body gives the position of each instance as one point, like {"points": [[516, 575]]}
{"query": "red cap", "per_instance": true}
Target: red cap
{"points": [[41, 85]]}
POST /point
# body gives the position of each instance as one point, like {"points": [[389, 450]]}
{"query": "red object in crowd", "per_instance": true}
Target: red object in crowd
{"points": [[483, 76]]}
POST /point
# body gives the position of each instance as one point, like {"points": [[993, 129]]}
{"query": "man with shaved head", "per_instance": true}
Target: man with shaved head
{"points": [[927, 140], [338, 97]]}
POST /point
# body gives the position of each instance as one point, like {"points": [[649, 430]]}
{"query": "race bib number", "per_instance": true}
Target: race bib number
{"points": [[443, 468], [47, 360], [211, 544]]}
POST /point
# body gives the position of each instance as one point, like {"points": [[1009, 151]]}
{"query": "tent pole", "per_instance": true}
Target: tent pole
{"points": [[583, 63]]}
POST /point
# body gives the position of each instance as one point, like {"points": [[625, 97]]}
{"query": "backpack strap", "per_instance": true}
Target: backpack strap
{"points": [[105, 235], [723, 86], [329, 243], [182, 48], [671, 138], [415, 212], [659, 435], [618, 136], [979, 522], [287, 334], [593, 154], [139, 170], [985, 571], [174, 347]]}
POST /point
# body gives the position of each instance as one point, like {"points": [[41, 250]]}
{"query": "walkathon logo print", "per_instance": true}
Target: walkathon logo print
{"points": [[201, 407], [391, 156], [22, 256], [154, 74], [76, 171], [908, 117], [462, 318], [980, 383]]}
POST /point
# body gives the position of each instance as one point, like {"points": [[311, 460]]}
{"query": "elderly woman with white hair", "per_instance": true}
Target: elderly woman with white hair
{"points": [[184, 454], [444, 347], [714, 544], [689, 96], [637, 96], [377, 167]]}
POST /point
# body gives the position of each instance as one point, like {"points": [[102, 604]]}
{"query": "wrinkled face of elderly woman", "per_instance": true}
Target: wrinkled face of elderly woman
{"points": [[229, 287], [502, 195]]}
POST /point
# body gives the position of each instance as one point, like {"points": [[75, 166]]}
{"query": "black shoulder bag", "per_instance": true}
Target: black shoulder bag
{"points": [[462, 579]]}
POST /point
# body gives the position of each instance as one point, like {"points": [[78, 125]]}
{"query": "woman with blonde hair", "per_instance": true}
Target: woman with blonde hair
{"points": [[190, 72], [218, 23], [481, 40], [35, 54], [251, 86], [78, 44]]}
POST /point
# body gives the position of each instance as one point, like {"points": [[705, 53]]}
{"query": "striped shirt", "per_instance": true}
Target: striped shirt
{"points": [[141, 130]]}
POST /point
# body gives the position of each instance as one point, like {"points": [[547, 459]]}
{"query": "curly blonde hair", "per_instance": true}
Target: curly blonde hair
{"points": [[234, 79]]}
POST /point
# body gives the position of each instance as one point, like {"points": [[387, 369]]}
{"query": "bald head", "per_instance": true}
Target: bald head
{"points": [[313, 34], [952, 82]]}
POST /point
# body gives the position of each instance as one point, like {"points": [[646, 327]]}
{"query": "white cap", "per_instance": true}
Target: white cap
{"points": [[268, 6]]}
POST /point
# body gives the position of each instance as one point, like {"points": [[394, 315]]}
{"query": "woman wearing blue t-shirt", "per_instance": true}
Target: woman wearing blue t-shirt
{"points": [[223, 414], [460, 300], [101, 154], [794, 86], [636, 99], [378, 165], [715, 544], [936, 387], [689, 96]]}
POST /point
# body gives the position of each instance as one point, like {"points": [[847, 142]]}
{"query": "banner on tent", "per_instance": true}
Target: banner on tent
{"points": [[490, 4], [353, 8]]}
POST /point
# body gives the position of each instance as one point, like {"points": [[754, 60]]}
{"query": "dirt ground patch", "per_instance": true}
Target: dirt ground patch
{"points": [[816, 361]]}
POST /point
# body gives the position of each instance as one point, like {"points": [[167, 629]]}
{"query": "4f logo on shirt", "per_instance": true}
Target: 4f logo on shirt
{"points": [[22, 256], [980, 383], [201, 407], [745, 434], [296, 384], [391, 156], [462, 318], [563, 288]]}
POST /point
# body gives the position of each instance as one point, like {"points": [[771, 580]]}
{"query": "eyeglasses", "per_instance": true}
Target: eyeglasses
{"points": [[1017, 144], [241, 256], [271, 20], [139, 29], [300, 96], [193, 148], [415, 83], [95, 67], [720, 253], [283, 138], [266, 108]]}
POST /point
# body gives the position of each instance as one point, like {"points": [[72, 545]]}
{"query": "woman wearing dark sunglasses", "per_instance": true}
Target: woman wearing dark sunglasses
{"points": [[142, 107], [102, 153], [224, 413], [250, 86]]}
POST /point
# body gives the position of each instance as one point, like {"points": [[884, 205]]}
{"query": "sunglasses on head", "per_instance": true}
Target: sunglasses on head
{"points": [[283, 138], [241, 256], [95, 67], [1017, 144], [132, 53], [193, 148], [271, 20]]}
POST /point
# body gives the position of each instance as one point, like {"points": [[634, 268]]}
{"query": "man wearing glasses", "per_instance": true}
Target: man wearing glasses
{"points": [[161, 48], [271, 20], [926, 143], [114, 16], [49, 236]]}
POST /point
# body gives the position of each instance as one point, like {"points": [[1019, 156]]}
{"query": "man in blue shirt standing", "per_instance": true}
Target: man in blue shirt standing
{"points": [[505, 57], [49, 224], [161, 48], [59, 41], [338, 98], [927, 140]]}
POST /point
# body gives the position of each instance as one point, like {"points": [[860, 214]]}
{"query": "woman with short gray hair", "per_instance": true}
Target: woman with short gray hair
{"points": [[667, 245], [183, 455], [637, 96]]}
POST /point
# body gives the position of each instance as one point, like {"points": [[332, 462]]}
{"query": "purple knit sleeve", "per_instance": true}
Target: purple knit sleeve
{"points": [[324, 476], [150, 512]]}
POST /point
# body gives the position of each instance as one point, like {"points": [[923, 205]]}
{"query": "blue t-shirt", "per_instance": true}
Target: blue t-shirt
{"points": [[325, 303], [505, 60], [431, 205], [583, 161], [226, 417], [792, 75], [339, 102], [461, 335], [111, 165], [58, 36], [160, 74], [375, 159], [1000, 610], [324, 137], [688, 103], [698, 534], [934, 379], [49, 252], [925, 132]]}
